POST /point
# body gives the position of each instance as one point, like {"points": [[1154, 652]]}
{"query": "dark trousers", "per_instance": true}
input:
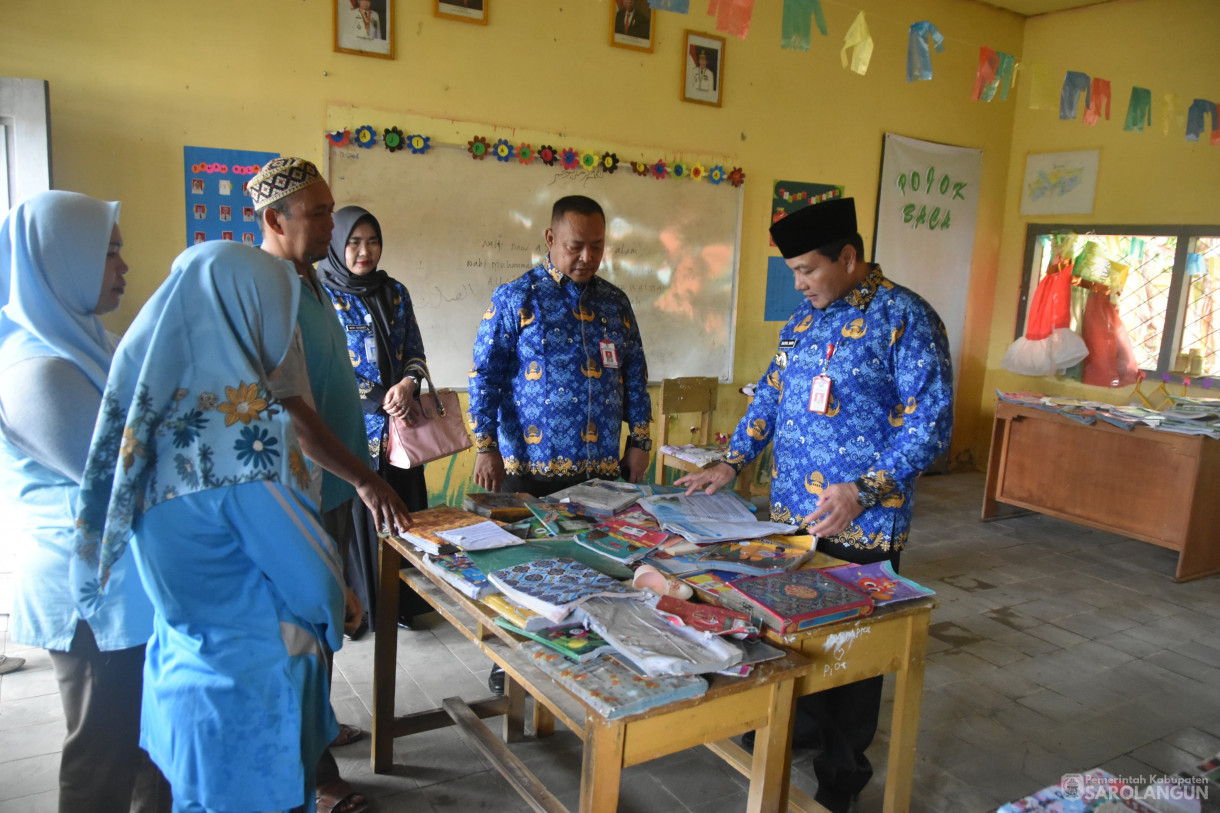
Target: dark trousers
{"points": [[103, 769], [539, 486], [338, 523], [845, 717]]}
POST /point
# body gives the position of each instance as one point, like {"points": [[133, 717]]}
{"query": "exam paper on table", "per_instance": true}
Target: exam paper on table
{"points": [[483, 536]]}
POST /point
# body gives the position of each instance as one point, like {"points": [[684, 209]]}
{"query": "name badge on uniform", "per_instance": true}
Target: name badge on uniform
{"points": [[819, 394], [609, 355], [787, 344]]}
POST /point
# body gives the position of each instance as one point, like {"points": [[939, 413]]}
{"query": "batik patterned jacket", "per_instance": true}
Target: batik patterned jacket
{"points": [[890, 410], [539, 390]]}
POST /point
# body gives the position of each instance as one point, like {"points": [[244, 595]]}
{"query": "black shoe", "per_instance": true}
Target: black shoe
{"points": [[833, 800], [405, 622], [495, 681], [358, 632], [747, 741]]}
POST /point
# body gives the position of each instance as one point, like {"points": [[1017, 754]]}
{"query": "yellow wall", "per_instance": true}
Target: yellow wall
{"points": [[1168, 46], [129, 89]]}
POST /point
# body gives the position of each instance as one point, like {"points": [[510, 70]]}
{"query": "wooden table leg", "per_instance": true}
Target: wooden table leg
{"points": [[514, 717], [385, 658], [771, 768], [602, 768], [543, 720], [904, 728]]}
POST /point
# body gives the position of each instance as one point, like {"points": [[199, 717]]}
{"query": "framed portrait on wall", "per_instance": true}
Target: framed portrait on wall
{"points": [[468, 11], [631, 24], [702, 68], [365, 27]]}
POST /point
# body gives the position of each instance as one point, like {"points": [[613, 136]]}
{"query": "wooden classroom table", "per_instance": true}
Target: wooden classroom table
{"points": [[1159, 487], [888, 641]]}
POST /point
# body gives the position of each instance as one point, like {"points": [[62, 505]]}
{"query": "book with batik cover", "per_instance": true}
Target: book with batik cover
{"points": [[620, 540], [612, 689], [425, 524], [572, 641], [803, 599], [879, 582], [517, 615], [504, 507], [555, 587], [562, 519], [461, 573]]}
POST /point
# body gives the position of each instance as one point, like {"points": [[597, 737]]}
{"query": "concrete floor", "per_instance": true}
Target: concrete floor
{"points": [[1055, 649]]}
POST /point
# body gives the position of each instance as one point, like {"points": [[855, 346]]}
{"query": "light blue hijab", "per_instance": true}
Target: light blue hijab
{"points": [[52, 258], [187, 406]]}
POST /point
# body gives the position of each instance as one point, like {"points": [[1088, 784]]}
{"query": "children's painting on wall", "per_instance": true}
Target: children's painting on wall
{"points": [[702, 68], [364, 27], [631, 25], [468, 11], [1060, 183]]}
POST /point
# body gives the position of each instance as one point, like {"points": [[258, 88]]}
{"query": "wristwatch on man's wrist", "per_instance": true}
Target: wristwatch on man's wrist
{"points": [[867, 495], [644, 445]]}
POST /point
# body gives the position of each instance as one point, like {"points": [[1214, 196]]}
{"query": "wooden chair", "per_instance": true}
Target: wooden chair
{"points": [[684, 396]]}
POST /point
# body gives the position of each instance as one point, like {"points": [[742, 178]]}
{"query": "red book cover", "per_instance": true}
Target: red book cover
{"points": [[707, 617], [802, 599]]}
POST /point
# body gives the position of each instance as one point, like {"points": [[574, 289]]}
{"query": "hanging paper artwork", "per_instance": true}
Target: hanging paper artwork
{"points": [[503, 151], [525, 154], [737, 176], [995, 72], [640, 168], [547, 155], [419, 144], [569, 158], [340, 138], [589, 161], [732, 16], [679, 171], [217, 206], [919, 57], [1042, 88], [859, 41], [659, 170], [478, 147], [609, 162], [1099, 94], [795, 30], [1196, 116], [1074, 83], [697, 172], [366, 137], [676, 6], [1139, 110], [716, 174], [1170, 103], [392, 139], [1060, 183]]}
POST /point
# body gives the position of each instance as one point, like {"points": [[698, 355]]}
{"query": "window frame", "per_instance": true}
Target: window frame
{"points": [[1175, 314]]}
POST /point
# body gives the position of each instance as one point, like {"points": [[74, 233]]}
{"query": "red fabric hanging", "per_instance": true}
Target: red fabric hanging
{"points": [[1111, 359], [1051, 307]]}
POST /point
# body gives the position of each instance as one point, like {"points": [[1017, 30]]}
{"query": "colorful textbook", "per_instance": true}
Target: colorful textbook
{"points": [[461, 574], [562, 519], [880, 582], [572, 641], [803, 599], [621, 540], [757, 557]]}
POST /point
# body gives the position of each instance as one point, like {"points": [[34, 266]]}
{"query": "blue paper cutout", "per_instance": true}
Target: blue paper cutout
{"points": [[1199, 110], [1074, 83], [919, 59], [676, 6]]}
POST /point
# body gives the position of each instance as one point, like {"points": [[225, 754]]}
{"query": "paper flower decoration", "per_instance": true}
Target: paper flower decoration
{"points": [[503, 150], [569, 158], [419, 144], [659, 170], [737, 176], [340, 138], [392, 139], [589, 161], [679, 170], [477, 147], [697, 172], [609, 162], [639, 168], [717, 174], [366, 137], [525, 154], [547, 153]]}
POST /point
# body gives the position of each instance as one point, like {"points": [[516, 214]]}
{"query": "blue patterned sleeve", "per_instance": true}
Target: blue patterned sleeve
{"points": [[754, 431], [415, 362], [637, 403], [924, 378], [495, 347]]}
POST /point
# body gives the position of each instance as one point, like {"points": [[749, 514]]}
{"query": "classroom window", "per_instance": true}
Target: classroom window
{"points": [[1163, 283]]}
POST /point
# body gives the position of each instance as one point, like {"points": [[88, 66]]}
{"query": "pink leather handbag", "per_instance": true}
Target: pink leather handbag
{"points": [[438, 431]]}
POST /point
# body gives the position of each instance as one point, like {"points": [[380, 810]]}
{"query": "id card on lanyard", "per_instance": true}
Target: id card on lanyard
{"points": [[609, 354], [819, 393]]}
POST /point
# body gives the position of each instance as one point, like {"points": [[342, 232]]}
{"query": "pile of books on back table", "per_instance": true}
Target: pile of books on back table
{"points": [[563, 584], [1183, 415], [701, 456]]}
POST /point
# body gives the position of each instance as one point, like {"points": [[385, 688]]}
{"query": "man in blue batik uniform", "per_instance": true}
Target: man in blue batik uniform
{"points": [[558, 367], [856, 402]]}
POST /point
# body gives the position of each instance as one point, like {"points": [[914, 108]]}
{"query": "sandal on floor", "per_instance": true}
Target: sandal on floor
{"points": [[8, 663], [348, 734], [338, 796]]}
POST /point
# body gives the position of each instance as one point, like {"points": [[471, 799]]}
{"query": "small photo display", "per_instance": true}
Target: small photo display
{"points": [[226, 235], [200, 237], [225, 187], [226, 212], [201, 211], [247, 214], [196, 186], [702, 68], [247, 238]]}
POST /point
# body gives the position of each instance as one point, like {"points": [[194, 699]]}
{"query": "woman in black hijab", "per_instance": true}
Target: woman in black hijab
{"points": [[387, 353]]}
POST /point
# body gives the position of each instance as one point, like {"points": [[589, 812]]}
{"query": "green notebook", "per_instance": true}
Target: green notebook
{"points": [[500, 558]]}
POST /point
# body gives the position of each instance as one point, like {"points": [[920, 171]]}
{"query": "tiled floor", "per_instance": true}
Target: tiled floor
{"points": [[1054, 649]]}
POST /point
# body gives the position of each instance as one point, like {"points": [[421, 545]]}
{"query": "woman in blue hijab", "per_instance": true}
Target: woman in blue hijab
{"points": [[61, 266], [196, 464]]}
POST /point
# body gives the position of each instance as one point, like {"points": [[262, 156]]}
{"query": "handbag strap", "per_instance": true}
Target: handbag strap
{"points": [[440, 406]]}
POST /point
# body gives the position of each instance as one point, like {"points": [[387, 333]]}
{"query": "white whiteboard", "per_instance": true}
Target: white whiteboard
{"points": [[455, 228]]}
